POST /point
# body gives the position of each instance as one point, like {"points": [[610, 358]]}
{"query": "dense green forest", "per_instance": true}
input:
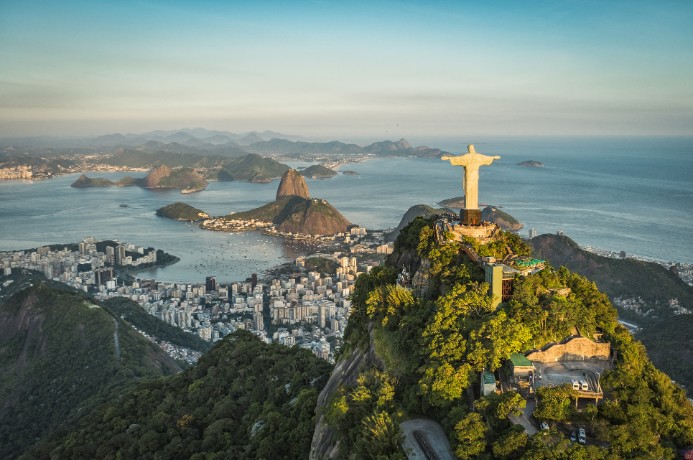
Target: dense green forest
{"points": [[59, 359], [667, 336], [433, 346], [181, 211], [243, 399]]}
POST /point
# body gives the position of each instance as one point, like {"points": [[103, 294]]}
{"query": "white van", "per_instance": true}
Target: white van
{"points": [[576, 385], [584, 386]]}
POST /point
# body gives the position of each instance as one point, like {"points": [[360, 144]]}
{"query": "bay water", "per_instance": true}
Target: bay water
{"points": [[620, 194]]}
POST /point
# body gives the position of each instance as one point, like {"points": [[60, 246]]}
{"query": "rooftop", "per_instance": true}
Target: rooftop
{"points": [[518, 359]]}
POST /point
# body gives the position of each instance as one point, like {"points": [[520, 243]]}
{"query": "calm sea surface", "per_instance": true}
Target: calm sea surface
{"points": [[634, 195]]}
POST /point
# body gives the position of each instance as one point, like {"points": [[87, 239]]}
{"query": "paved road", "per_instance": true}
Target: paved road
{"points": [[434, 436], [525, 418]]}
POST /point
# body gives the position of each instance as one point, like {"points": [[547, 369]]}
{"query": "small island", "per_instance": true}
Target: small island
{"points": [[84, 181], [318, 172], [187, 180], [531, 164], [182, 211]]}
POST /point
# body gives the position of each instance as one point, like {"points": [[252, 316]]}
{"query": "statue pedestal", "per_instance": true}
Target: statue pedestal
{"points": [[470, 217]]}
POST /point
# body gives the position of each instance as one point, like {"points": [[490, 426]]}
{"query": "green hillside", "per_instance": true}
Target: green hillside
{"points": [[59, 358], [244, 399], [251, 167], [318, 172], [298, 215], [425, 348], [667, 336], [617, 277], [181, 211]]}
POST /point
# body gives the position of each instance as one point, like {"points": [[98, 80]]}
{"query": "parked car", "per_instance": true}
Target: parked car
{"points": [[573, 436], [544, 426], [582, 436]]}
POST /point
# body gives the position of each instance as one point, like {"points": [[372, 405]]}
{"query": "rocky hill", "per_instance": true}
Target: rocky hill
{"points": [[155, 176], [294, 212], [415, 348], [504, 220], [292, 183], [185, 179], [253, 168], [181, 211], [83, 182], [418, 210], [61, 354], [318, 172]]}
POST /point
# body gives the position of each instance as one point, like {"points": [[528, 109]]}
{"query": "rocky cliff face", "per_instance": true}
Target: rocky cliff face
{"points": [[292, 183], [156, 175], [324, 444]]}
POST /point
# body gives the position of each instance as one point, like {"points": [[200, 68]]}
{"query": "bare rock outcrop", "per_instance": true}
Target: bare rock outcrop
{"points": [[156, 175], [292, 183]]}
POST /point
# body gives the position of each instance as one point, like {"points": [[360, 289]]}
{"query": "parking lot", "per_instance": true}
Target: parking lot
{"points": [[558, 373]]}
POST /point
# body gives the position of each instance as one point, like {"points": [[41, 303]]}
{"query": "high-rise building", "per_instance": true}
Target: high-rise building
{"points": [[532, 233], [120, 254], [210, 284]]}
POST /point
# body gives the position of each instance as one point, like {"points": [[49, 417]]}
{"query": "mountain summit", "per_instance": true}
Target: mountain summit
{"points": [[292, 183], [295, 212]]}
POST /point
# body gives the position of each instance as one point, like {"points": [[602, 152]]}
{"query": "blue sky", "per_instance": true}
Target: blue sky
{"points": [[337, 69]]}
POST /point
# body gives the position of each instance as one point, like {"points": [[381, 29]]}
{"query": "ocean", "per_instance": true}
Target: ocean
{"points": [[619, 194]]}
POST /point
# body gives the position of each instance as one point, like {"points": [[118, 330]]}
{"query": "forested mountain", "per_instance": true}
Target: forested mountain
{"points": [[421, 332], [244, 399], [666, 334], [60, 356], [418, 352]]}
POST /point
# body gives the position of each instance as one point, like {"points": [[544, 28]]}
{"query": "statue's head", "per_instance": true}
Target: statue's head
{"points": [[470, 148]]}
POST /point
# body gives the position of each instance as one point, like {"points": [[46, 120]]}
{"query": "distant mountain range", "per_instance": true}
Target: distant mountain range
{"points": [[203, 141], [190, 136]]}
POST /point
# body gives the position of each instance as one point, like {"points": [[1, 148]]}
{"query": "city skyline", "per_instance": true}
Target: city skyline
{"points": [[324, 69]]}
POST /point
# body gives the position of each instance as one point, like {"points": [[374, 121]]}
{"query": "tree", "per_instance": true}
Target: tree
{"points": [[442, 383], [554, 403], [510, 444], [470, 436]]}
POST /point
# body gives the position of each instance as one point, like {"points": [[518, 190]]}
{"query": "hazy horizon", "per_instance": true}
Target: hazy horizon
{"points": [[376, 70]]}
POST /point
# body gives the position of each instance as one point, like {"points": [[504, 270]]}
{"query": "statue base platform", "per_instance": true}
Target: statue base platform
{"points": [[484, 232], [470, 216]]}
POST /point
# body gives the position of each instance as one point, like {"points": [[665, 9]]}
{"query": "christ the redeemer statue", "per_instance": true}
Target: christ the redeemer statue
{"points": [[471, 162]]}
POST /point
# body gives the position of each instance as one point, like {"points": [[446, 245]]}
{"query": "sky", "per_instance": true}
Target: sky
{"points": [[339, 69]]}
